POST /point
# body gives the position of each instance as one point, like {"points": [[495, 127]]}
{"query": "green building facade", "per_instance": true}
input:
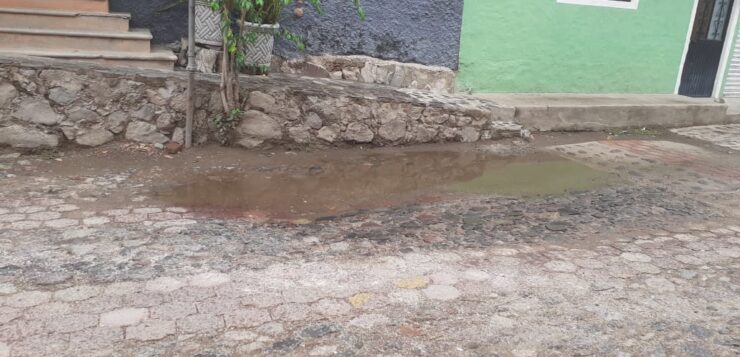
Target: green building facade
{"points": [[596, 46]]}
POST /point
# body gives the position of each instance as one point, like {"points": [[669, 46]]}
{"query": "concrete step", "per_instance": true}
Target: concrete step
{"points": [[157, 59], [64, 20], [585, 112], [73, 5], [44, 39]]}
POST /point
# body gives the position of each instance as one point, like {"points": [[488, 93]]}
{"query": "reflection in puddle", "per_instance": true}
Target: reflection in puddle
{"points": [[332, 187]]}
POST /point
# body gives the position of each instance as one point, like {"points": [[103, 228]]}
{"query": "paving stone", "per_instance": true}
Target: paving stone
{"points": [[64, 208], [164, 284], [7, 289], [369, 321], [249, 317], [123, 317], [8, 314], [61, 223], [95, 221], [688, 259], [561, 266], [147, 210], [441, 292], [240, 335], [271, 329], [636, 257], [475, 275], [290, 312], [660, 284], [27, 299], [210, 279], [24, 225], [200, 323], [30, 209], [173, 310], [77, 293], [122, 288], [71, 323], [151, 330], [131, 218], [331, 307], [418, 282], [7, 218], [87, 341]]}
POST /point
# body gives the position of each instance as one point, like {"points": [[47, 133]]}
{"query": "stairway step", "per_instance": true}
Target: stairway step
{"points": [[137, 40], [74, 5], [158, 59], [64, 20]]}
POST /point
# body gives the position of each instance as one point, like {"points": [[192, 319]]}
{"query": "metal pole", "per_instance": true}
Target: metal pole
{"points": [[191, 75]]}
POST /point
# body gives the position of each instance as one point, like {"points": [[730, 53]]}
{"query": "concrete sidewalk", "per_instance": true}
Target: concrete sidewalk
{"points": [[591, 112]]}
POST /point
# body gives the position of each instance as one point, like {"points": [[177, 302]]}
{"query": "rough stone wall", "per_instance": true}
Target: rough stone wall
{"points": [[50, 103], [372, 70], [417, 31]]}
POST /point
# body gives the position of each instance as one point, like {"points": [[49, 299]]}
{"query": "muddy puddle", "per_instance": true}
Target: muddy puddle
{"points": [[333, 187]]}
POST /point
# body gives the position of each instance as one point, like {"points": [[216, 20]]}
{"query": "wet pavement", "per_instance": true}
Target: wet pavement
{"points": [[573, 245]]}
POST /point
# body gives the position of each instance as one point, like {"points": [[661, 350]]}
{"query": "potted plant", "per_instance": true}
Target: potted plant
{"points": [[261, 25], [207, 24]]}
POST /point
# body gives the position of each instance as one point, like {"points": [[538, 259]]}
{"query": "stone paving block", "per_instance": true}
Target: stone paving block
{"points": [[95, 221], [217, 306], [207, 280], [369, 321], [441, 292], [173, 310], [24, 225], [123, 317], [164, 284], [44, 216], [151, 330], [8, 314], [77, 293], [97, 338], [247, 317], [61, 223], [71, 323], [27, 299], [64, 208], [290, 312], [143, 299], [14, 217], [46, 310], [200, 323], [331, 307]]}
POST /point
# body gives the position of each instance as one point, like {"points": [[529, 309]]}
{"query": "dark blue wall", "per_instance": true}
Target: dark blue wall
{"points": [[166, 26], [420, 31]]}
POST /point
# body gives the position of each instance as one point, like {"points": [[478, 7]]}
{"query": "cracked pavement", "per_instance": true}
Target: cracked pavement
{"points": [[94, 263]]}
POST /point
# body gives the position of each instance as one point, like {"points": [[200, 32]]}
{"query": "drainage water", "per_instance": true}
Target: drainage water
{"points": [[336, 186]]}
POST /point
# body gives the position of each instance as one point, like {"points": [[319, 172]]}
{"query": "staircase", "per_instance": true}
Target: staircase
{"points": [[81, 30]]}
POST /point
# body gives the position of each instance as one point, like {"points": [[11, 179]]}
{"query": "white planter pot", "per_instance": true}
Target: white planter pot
{"points": [[258, 53], [207, 25]]}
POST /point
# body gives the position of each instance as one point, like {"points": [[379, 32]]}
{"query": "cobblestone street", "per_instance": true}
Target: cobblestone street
{"points": [[96, 259]]}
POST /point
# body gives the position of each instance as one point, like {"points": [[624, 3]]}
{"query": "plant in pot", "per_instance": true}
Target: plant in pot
{"points": [[248, 44], [262, 25]]}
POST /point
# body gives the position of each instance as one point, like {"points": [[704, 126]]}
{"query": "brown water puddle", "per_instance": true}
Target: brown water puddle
{"points": [[337, 186]]}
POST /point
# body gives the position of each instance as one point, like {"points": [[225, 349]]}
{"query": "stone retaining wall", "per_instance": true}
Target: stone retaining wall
{"points": [[50, 103]]}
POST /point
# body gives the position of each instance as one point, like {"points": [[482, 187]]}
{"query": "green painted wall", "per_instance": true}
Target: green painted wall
{"points": [[734, 38], [541, 46]]}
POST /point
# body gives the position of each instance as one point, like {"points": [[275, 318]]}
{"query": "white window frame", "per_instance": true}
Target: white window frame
{"points": [[632, 5]]}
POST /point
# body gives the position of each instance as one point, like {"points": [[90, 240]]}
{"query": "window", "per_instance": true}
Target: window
{"points": [[620, 4]]}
